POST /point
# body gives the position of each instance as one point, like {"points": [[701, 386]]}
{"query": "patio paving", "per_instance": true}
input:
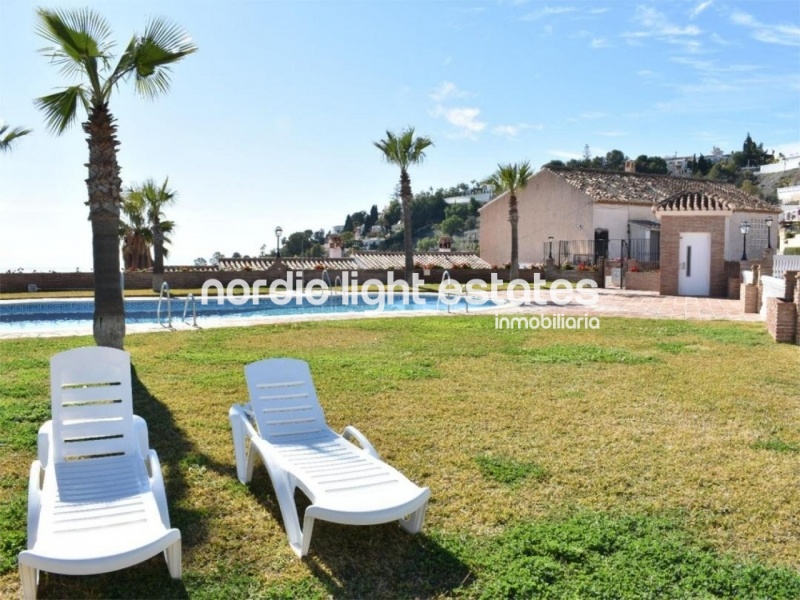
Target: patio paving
{"points": [[648, 305]]}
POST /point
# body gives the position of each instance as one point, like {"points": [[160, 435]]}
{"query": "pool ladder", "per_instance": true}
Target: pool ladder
{"points": [[165, 295]]}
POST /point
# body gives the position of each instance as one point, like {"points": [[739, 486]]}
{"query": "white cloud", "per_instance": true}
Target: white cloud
{"points": [[593, 115], [645, 73], [783, 35], [565, 154], [514, 130], [700, 8], [598, 11], [465, 119], [445, 90], [547, 11], [654, 24], [600, 43]]}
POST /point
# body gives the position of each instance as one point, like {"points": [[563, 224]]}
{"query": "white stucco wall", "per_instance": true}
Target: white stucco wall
{"points": [[547, 206]]}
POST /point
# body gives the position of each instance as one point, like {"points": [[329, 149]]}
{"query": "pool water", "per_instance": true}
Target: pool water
{"points": [[59, 315]]}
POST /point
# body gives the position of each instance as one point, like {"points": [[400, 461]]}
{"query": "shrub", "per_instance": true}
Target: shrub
{"points": [[791, 251]]}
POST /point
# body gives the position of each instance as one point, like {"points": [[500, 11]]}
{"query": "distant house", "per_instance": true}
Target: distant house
{"points": [[681, 166], [481, 194], [610, 214]]}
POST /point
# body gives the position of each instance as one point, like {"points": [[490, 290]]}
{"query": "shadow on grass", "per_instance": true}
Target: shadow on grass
{"points": [[375, 561], [149, 579]]}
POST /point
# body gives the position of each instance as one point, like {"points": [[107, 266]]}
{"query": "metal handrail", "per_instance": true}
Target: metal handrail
{"points": [[194, 310], [164, 292]]}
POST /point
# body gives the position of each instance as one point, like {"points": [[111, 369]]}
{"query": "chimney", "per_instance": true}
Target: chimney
{"points": [[630, 166], [335, 246]]}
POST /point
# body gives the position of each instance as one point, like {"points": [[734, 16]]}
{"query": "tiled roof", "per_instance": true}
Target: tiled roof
{"points": [[618, 187], [714, 199], [397, 260], [361, 260]]}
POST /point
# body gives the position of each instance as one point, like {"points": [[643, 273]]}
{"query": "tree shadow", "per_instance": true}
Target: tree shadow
{"points": [[374, 561], [149, 579]]}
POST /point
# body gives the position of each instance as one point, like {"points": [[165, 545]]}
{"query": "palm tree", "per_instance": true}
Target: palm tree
{"points": [[403, 151], [82, 47], [511, 178], [6, 139], [154, 198], [135, 235]]}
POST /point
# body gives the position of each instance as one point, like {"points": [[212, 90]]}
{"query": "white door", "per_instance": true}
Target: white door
{"points": [[694, 269]]}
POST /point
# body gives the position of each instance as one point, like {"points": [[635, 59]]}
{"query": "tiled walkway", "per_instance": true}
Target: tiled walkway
{"points": [[650, 305]]}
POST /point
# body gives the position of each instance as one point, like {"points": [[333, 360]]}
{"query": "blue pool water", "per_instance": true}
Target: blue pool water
{"points": [[59, 315]]}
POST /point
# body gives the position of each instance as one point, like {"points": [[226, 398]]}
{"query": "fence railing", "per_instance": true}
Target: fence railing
{"points": [[588, 252]]}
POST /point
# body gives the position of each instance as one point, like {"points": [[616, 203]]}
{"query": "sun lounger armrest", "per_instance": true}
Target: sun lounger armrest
{"points": [[34, 500], [350, 433], [140, 426], [157, 485], [43, 445]]}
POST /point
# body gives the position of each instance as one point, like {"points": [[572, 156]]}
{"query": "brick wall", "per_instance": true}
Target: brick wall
{"points": [[782, 320], [192, 279], [649, 281], [749, 297], [671, 228]]}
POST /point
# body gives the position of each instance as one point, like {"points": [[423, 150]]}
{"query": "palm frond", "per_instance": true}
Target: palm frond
{"points": [[404, 149], [6, 139], [510, 177], [81, 43], [148, 57], [60, 109]]}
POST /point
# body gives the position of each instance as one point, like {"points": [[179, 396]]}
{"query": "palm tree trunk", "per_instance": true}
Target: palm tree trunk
{"points": [[513, 218], [105, 187], [158, 257], [408, 236]]}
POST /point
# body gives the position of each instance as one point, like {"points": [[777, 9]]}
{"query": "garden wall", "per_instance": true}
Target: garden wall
{"points": [[194, 279], [644, 281]]}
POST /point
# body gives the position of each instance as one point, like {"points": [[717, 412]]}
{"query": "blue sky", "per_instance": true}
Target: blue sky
{"points": [[272, 121]]}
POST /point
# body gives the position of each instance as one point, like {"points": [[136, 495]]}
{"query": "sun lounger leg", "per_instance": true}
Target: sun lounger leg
{"points": [[308, 528], [413, 522], [291, 522], [28, 575], [174, 560]]}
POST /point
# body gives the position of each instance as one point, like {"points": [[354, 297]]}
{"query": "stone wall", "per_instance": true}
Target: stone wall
{"points": [[782, 320]]}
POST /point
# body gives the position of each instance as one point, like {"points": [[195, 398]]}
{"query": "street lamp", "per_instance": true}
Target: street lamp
{"points": [[550, 239], [744, 228], [278, 232], [768, 221]]}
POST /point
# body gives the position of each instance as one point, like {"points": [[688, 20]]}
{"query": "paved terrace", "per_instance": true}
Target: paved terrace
{"points": [[647, 305]]}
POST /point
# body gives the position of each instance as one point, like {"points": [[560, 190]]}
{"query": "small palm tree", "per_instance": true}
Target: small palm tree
{"points": [[82, 47], [135, 235], [403, 151], [511, 178], [7, 139], [153, 199]]}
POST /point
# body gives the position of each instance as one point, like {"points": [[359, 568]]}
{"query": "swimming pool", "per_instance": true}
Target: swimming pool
{"points": [[75, 316]]}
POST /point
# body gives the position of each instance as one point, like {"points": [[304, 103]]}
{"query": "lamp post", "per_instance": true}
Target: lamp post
{"points": [[278, 232], [744, 228], [550, 239], [768, 221]]}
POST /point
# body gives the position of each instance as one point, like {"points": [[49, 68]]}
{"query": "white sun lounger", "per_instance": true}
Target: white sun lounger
{"points": [[346, 484], [96, 500]]}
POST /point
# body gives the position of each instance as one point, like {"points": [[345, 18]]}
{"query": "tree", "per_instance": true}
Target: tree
{"points": [[404, 150], [452, 225], [81, 46], [392, 214], [7, 139], [512, 178], [136, 236], [615, 160], [215, 258], [554, 163], [155, 198], [348, 223], [651, 164], [200, 262]]}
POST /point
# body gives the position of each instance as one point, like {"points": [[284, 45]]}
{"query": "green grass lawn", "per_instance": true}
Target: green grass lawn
{"points": [[646, 459]]}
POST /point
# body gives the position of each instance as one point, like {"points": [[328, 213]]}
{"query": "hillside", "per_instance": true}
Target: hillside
{"points": [[769, 183]]}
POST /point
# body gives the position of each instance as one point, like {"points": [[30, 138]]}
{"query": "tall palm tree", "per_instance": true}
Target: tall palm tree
{"points": [[511, 178], [82, 47], [6, 139], [154, 198], [403, 151]]}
